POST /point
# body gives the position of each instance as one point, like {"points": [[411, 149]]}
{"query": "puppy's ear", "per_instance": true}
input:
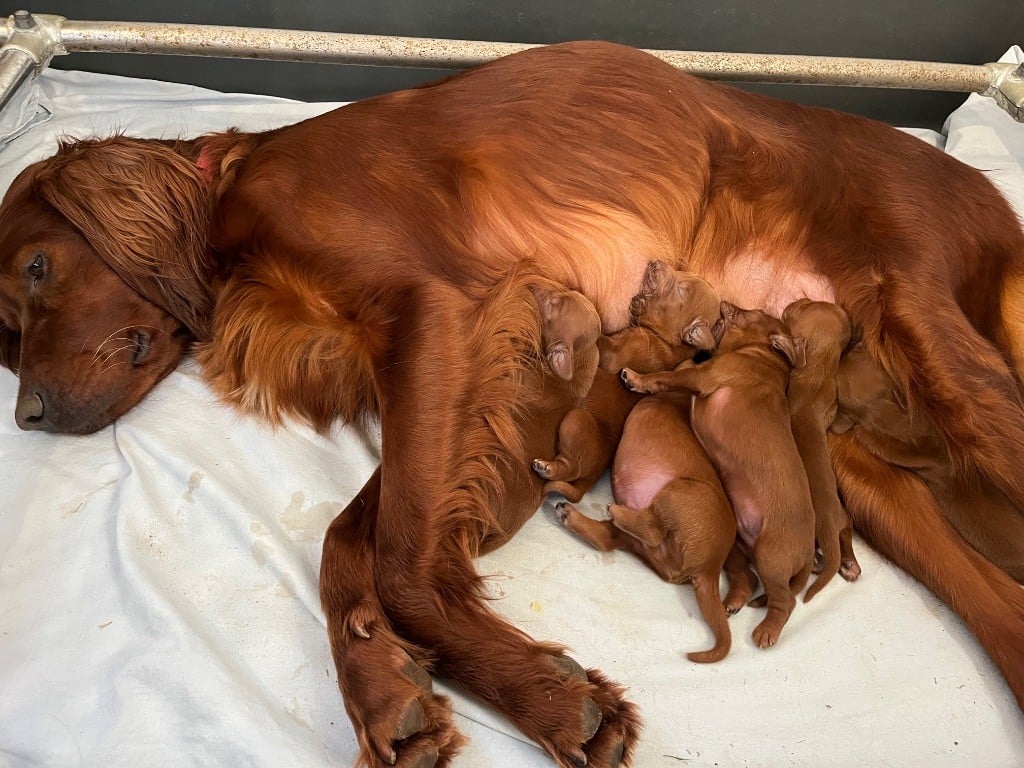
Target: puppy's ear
{"points": [[657, 278], [700, 337], [842, 423], [559, 357], [794, 350], [653, 284], [144, 209]]}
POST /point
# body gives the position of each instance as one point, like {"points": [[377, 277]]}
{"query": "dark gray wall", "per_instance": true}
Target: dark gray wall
{"points": [[945, 30]]}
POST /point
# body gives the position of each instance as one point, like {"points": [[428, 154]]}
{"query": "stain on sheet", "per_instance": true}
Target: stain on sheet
{"points": [[73, 506], [194, 481], [261, 552], [309, 523]]}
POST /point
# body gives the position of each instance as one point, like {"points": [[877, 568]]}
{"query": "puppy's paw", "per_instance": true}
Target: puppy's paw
{"points": [[733, 606], [564, 512], [542, 468], [632, 380], [849, 569], [819, 562], [766, 634]]}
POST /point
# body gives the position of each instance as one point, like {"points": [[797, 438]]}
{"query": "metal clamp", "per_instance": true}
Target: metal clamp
{"points": [[32, 41], [38, 36], [1007, 89]]}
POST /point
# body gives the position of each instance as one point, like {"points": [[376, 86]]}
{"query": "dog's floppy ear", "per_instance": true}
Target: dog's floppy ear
{"points": [[144, 209], [557, 351], [10, 348], [657, 278], [699, 336], [842, 423], [794, 350], [559, 357]]}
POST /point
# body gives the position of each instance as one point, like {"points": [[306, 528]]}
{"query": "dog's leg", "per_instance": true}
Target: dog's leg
{"points": [[448, 393], [849, 567], [638, 523], [779, 587], [384, 681], [687, 377], [829, 516], [742, 580], [582, 456], [897, 513], [600, 534]]}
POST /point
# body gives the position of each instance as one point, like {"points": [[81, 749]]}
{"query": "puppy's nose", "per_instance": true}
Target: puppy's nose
{"points": [[29, 411]]}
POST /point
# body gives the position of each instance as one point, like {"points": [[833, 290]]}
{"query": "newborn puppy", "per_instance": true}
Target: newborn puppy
{"points": [[741, 416], [672, 309], [570, 327], [870, 404], [681, 307], [825, 331], [671, 513]]}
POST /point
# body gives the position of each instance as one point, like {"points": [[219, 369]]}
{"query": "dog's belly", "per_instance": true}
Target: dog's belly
{"points": [[769, 281], [637, 485]]}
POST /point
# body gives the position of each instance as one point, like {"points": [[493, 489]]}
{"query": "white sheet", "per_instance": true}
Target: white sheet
{"points": [[158, 598]]}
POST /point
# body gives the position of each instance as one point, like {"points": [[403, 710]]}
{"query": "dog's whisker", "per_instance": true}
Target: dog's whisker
{"points": [[112, 354]]}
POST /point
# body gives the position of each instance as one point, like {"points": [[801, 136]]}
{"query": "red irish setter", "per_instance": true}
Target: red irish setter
{"points": [[379, 260]]}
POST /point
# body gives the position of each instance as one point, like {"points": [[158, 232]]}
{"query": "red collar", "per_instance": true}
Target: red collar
{"points": [[205, 164]]}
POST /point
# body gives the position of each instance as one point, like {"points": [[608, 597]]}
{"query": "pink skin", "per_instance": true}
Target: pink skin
{"points": [[751, 279]]}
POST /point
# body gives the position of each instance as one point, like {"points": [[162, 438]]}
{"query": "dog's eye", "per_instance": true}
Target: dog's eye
{"points": [[37, 267], [140, 346]]}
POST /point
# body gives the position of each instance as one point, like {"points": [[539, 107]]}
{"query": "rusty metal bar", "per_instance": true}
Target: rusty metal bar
{"points": [[1000, 81]]}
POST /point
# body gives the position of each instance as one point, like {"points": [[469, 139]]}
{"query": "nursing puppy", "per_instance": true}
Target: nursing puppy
{"points": [[872, 409], [741, 416], [671, 511], [824, 329], [672, 312]]}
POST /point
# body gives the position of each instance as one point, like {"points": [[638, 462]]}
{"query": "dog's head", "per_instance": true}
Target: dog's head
{"points": [[825, 326], [680, 307], [98, 297], [738, 328], [569, 322], [866, 395]]}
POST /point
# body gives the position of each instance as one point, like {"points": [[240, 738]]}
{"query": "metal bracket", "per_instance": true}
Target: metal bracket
{"points": [[37, 35], [32, 41], [1007, 89]]}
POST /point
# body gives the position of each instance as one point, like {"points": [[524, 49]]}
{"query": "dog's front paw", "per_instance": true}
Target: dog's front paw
{"points": [[632, 380], [542, 468]]}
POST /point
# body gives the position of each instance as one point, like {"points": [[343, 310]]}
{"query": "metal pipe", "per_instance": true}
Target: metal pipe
{"points": [[999, 81], [380, 50], [15, 67]]}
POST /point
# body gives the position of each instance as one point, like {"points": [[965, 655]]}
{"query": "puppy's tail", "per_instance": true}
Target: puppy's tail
{"points": [[897, 513], [709, 600], [829, 565]]}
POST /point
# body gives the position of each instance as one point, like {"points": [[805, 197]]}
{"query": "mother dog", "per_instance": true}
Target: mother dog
{"points": [[378, 261]]}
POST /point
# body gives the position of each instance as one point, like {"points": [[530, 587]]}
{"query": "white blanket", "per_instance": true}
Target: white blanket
{"points": [[158, 579]]}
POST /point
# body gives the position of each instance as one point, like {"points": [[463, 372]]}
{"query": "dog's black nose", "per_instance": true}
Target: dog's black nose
{"points": [[30, 411]]}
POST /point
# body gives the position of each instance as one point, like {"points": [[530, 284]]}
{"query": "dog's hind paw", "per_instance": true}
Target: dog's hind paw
{"points": [[542, 468]]}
